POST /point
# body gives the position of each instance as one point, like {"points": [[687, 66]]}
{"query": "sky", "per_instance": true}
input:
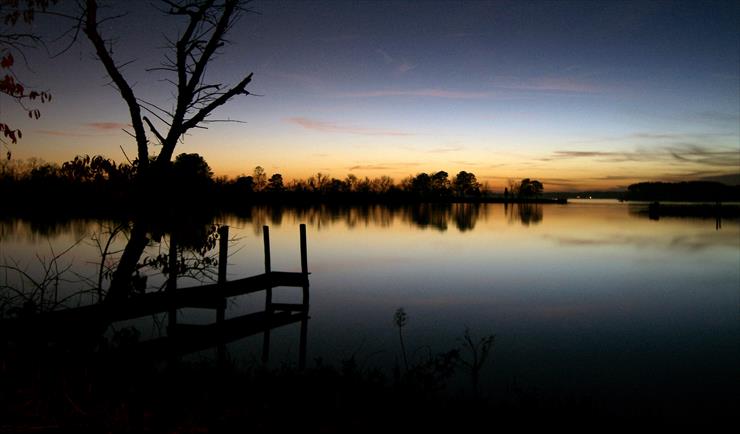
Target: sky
{"points": [[580, 95]]}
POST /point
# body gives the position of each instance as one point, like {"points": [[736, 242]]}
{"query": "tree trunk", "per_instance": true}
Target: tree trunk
{"points": [[120, 287]]}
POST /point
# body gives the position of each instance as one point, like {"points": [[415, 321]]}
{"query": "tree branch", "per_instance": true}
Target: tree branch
{"points": [[154, 130], [239, 89], [93, 34]]}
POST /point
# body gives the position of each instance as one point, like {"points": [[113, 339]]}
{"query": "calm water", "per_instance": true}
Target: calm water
{"points": [[587, 296]]}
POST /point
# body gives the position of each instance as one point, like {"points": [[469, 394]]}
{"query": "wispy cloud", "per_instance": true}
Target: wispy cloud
{"points": [[64, 133], [567, 154], [107, 126], [370, 167], [561, 184], [694, 154], [717, 118], [613, 178], [466, 163], [88, 129], [660, 139], [446, 149], [330, 127], [426, 93], [386, 57], [300, 79], [553, 85], [387, 166], [732, 177], [401, 66], [405, 67]]}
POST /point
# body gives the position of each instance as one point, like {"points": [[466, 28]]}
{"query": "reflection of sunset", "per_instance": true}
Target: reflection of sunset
{"points": [[556, 283]]}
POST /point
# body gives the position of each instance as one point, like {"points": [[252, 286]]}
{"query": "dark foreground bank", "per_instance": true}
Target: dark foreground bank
{"points": [[83, 394]]}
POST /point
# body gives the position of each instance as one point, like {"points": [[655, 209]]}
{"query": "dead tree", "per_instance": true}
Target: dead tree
{"points": [[207, 24]]}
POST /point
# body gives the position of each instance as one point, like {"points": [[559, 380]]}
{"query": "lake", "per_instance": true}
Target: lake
{"points": [[590, 298]]}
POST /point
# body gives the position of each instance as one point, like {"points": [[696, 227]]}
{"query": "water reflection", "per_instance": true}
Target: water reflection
{"points": [[526, 213], [687, 242], [33, 314], [567, 295], [440, 217], [38, 228], [463, 217]]}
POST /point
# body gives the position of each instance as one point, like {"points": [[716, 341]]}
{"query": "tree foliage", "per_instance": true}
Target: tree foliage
{"points": [[530, 188], [12, 44], [466, 184]]}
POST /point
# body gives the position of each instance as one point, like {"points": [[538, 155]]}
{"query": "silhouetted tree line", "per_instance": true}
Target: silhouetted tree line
{"points": [[423, 187], [683, 191], [102, 185]]}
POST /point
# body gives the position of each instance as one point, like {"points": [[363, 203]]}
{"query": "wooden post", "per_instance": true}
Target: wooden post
{"points": [[172, 286], [304, 263], [304, 321], [223, 252], [268, 296], [223, 255], [172, 312], [302, 344], [266, 239]]}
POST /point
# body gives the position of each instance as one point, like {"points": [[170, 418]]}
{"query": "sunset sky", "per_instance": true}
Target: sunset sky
{"points": [[595, 94]]}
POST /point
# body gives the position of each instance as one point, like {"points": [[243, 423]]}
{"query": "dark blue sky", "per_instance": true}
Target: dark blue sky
{"points": [[579, 94]]}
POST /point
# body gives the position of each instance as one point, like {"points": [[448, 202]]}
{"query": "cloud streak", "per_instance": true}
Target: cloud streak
{"points": [[446, 149], [555, 85], [676, 154], [400, 67], [689, 243], [89, 129], [391, 166], [64, 133], [330, 127], [422, 93], [107, 126]]}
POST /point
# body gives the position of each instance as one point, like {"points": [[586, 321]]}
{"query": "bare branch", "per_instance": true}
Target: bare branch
{"points": [[92, 32], [239, 89], [153, 113], [154, 130]]}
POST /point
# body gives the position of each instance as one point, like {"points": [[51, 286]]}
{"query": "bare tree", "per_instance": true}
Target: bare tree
{"points": [[207, 23]]}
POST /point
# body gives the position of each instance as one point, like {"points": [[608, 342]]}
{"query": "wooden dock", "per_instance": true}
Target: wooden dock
{"points": [[75, 323]]}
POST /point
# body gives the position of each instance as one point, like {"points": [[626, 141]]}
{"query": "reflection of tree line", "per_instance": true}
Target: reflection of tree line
{"points": [[425, 215], [526, 213], [39, 228], [196, 235], [439, 216]]}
